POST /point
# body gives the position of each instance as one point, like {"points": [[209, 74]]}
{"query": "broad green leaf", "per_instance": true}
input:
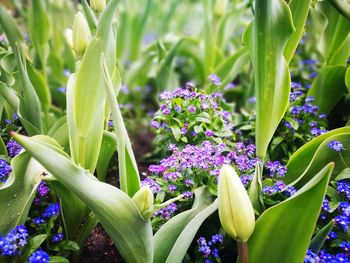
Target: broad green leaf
{"points": [[89, 92], [345, 174], [165, 68], [10, 28], [114, 209], [266, 37], [311, 157], [33, 244], [318, 240], [3, 150], [39, 29], [328, 88], [10, 96], [90, 16], [290, 224], [342, 6], [29, 107], [59, 132], [347, 79], [229, 68], [58, 259], [128, 172], [174, 237], [108, 148], [299, 10], [17, 194], [335, 33], [255, 193]]}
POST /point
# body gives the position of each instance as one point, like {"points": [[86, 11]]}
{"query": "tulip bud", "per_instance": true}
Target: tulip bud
{"points": [[81, 34], [235, 209], [220, 7], [68, 35], [98, 5], [144, 200]]}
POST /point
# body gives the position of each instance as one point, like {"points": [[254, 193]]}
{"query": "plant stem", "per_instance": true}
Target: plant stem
{"points": [[242, 252]]}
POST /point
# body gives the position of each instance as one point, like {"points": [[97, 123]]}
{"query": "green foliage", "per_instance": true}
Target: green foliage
{"points": [[266, 38], [289, 224]]}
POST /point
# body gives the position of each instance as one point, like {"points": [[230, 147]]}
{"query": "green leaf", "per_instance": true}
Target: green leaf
{"points": [[17, 194], [266, 37], [69, 245], [345, 174], [255, 193], [29, 107], [128, 172], [114, 209], [335, 33], [108, 148], [310, 158], [175, 236], [176, 131], [8, 24], [319, 239], [288, 226], [58, 259], [165, 68], [300, 11], [347, 79], [90, 16], [3, 150], [328, 88], [33, 244]]}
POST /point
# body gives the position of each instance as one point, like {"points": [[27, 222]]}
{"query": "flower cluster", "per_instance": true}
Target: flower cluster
{"points": [[51, 211], [336, 146], [13, 148], [5, 170], [11, 244], [209, 250], [166, 212], [42, 192], [190, 116], [39, 256]]}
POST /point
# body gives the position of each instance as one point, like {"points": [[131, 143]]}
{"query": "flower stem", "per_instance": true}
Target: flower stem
{"points": [[242, 252]]}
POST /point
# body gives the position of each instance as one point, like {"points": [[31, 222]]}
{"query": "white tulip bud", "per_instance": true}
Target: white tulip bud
{"points": [[220, 7], [236, 212], [98, 5], [81, 34], [144, 200]]}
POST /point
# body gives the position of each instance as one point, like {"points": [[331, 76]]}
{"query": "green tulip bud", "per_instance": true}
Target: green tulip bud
{"points": [[81, 34], [235, 209], [98, 5], [144, 200], [220, 7]]}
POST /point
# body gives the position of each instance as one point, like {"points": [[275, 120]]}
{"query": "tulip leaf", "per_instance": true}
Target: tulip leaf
{"points": [[175, 236], [8, 24], [321, 236], [90, 16], [87, 100], [108, 148], [347, 79], [18, 192], [128, 171], [328, 88], [266, 37], [311, 157], [3, 150], [289, 224], [342, 6], [345, 174], [114, 209], [300, 11]]}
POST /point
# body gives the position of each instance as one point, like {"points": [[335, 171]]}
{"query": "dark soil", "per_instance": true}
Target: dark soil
{"points": [[99, 247]]}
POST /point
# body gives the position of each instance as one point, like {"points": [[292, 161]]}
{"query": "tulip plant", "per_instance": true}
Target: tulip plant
{"points": [[242, 151]]}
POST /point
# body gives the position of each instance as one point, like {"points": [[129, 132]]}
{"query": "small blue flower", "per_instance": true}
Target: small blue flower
{"points": [[57, 238], [336, 146], [13, 148], [39, 256], [215, 79], [52, 210]]}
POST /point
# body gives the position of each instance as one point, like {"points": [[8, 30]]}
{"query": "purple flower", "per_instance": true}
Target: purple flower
{"points": [[166, 111], [215, 79], [153, 185], [191, 108], [57, 238], [155, 124], [39, 256], [336, 146], [171, 188], [11, 243], [43, 189], [166, 212], [188, 194], [13, 148], [188, 182], [5, 170], [52, 210], [209, 133]]}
